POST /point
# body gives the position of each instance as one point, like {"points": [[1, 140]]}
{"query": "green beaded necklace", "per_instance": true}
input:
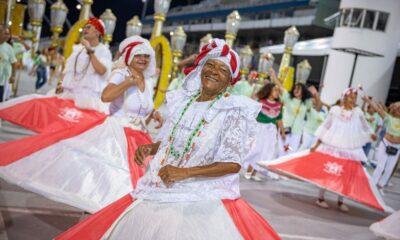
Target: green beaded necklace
{"points": [[188, 146]]}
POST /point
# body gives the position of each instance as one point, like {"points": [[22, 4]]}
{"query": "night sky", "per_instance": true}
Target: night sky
{"points": [[124, 10]]}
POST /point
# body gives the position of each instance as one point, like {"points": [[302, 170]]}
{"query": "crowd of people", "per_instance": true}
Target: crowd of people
{"points": [[183, 182]]}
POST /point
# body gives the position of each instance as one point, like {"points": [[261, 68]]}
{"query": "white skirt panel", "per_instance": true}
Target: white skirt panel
{"points": [[178, 220]]}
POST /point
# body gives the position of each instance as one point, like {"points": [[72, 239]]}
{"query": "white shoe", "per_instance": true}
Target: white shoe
{"points": [[322, 204], [343, 207], [247, 175], [256, 178]]}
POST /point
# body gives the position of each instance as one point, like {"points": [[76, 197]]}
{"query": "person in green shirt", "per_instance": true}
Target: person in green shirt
{"points": [[270, 124], [8, 62], [315, 116], [388, 151], [296, 103]]}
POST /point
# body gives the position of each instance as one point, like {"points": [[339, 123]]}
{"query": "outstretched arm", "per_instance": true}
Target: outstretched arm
{"points": [[375, 106]]}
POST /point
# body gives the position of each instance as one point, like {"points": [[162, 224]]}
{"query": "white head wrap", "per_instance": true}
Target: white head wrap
{"points": [[132, 46], [216, 49]]}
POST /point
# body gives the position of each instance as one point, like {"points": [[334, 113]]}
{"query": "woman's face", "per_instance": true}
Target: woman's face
{"points": [[275, 93], [140, 62], [298, 92], [90, 32], [215, 76], [394, 109], [349, 101]]}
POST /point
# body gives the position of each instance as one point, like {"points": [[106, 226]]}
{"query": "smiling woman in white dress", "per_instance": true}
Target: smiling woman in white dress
{"points": [[191, 189]]}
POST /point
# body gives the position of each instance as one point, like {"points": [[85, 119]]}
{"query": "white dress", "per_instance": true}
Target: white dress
{"points": [[344, 133], [81, 82], [93, 169], [192, 208]]}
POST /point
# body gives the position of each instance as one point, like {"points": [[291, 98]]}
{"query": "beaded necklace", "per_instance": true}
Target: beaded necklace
{"points": [[189, 145]]}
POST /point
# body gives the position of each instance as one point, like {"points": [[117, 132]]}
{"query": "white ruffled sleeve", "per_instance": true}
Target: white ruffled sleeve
{"points": [[326, 125], [238, 131]]}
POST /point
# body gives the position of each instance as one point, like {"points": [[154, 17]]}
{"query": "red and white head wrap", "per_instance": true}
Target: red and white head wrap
{"points": [[132, 46], [216, 49], [98, 24]]}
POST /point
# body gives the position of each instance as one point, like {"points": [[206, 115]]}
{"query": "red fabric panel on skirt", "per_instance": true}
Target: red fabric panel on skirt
{"points": [[343, 176], [95, 226], [135, 139], [250, 224], [48, 114]]}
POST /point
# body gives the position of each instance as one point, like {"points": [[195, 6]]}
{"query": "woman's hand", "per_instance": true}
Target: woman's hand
{"points": [[170, 174], [374, 137], [142, 152], [157, 117], [283, 134]]}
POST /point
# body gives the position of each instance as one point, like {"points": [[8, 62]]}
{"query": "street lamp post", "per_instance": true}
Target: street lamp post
{"points": [[109, 20], [245, 60], [290, 39], [232, 27], [303, 71], [161, 8], [58, 14], [85, 11], [36, 10], [265, 63], [133, 27], [178, 41]]}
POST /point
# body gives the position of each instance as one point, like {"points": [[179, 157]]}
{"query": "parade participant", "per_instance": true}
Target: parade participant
{"points": [[334, 162], [87, 69], [56, 61], [130, 87], [315, 116], [20, 48], [93, 169], [373, 120], [295, 106], [40, 68], [343, 134], [191, 189], [388, 150], [8, 62], [269, 129]]}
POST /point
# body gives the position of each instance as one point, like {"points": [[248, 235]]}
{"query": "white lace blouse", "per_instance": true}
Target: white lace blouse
{"points": [[226, 137], [80, 75]]}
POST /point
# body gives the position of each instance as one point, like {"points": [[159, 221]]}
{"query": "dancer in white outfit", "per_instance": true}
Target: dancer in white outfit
{"points": [[191, 189], [87, 69]]}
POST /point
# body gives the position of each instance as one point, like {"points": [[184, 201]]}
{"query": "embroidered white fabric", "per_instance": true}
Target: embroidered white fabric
{"points": [[226, 137], [265, 147], [189, 220], [85, 81], [88, 171], [387, 228], [345, 129], [133, 102]]}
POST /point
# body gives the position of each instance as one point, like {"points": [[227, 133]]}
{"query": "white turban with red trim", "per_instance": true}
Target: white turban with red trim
{"points": [[216, 49], [136, 45]]}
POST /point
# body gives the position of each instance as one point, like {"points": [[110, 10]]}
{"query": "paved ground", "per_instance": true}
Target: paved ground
{"points": [[288, 205]]}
